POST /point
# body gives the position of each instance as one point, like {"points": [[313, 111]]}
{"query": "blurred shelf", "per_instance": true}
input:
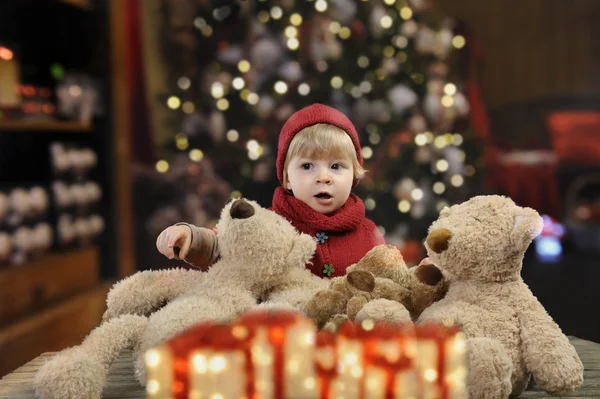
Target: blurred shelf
{"points": [[45, 126], [34, 285], [83, 4], [64, 324]]}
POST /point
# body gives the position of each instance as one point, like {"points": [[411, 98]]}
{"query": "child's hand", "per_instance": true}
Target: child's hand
{"points": [[174, 241]]}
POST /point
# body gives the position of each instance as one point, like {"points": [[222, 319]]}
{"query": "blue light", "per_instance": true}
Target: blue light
{"points": [[548, 248]]}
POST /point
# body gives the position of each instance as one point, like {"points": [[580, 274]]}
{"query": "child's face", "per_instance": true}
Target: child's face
{"points": [[322, 184]]}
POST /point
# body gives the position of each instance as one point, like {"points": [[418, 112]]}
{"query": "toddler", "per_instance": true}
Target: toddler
{"points": [[319, 161]]}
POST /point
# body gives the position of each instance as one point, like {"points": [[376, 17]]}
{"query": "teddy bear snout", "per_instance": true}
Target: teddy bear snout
{"points": [[438, 240], [241, 210]]}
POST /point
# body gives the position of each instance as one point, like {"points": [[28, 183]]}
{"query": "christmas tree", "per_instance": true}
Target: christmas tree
{"points": [[239, 69]]}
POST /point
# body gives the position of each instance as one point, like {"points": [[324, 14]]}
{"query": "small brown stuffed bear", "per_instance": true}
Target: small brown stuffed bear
{"points": [[381, 287]]}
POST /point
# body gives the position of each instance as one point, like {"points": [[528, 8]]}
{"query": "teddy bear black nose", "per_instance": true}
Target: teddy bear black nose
{"points": [[241, 210], [438, 239]]}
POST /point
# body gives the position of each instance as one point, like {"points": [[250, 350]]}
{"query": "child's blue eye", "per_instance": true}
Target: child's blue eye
{"points": [[306, 166]]}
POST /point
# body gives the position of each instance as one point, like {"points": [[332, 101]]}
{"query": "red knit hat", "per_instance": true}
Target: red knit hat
{"points": [[308, 116]]}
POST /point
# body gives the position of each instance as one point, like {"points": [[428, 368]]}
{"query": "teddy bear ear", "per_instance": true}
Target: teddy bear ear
{"points": [[303, 249], [445, 212], [528, 224]]}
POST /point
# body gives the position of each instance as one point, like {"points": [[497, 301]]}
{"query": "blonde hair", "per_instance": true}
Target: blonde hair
{"points": [[322, 141]]}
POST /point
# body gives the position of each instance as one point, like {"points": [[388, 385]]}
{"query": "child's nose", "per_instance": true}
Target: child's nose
{"points": [[324, 177]]}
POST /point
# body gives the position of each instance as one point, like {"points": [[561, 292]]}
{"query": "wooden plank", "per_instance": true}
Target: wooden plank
{"points": [[122, 384], [121, 111], [45, 126], [56, 328], [30, 287]]}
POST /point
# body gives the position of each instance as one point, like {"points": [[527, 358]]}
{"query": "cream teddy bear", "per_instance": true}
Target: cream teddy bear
{"points": [[262, 260], [479, 246], [379, 287]]}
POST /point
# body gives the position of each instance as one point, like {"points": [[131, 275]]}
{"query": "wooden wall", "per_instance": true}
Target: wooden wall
{"points": [[533, 48]]}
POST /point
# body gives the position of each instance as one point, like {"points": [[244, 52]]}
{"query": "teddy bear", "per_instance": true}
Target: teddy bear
{"points": [[380, 287], [479, 246], [262, 263]]}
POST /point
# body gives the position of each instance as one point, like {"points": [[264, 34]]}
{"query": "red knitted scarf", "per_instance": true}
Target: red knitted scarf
{"points": [[309, 221]]}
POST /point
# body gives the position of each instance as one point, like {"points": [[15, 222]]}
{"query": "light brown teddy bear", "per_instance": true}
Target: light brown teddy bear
{"points": [[380, 287], [263, 259], [479, 245]]}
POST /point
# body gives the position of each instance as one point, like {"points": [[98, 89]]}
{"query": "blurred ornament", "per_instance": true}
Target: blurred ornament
{"points": [[77, 97], [93, 192], [287, 4], [380, 111], [60, 157], [402, 97], [90, 159], [413, 252], [436, 87], [231, 55], [79, 194], [390, 65], [423, 155], [38, 200], [324, 44], [358, 29], [82, 228], [42, 237], [62, 194], [265, 107], [291, 71], [461, 105], [409, 28], [361, 111], [420, 5], [225, 79], [426, 41], [6, 247], [403, 188], [285, 111], [418, 209], [217, 126], [432, 105], [265, 54], [65, 228], [377, 13], [262, 172], [23, 239], [438, 69], [4, 206], [417, 124], [193, 124], [454, 156], [76, 160], [343, 11], [444, 45], [19, 202]]}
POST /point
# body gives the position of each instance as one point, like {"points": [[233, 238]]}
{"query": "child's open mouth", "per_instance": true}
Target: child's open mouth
{"points": [[324, 198]]}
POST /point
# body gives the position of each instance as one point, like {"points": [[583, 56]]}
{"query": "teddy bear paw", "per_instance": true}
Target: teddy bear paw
{"points": [[71, 374], [384, 310]]}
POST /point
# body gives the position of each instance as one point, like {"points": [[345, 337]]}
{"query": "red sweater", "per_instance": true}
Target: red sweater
{"points": [[343, 238]]}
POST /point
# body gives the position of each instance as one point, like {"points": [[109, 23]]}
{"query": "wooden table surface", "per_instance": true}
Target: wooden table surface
{"points": [[122, 384]]}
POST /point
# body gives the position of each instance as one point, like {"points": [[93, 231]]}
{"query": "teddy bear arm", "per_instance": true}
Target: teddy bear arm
{"points": [[547, 352], [457, 313], [147, 291], [296, 297]]}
